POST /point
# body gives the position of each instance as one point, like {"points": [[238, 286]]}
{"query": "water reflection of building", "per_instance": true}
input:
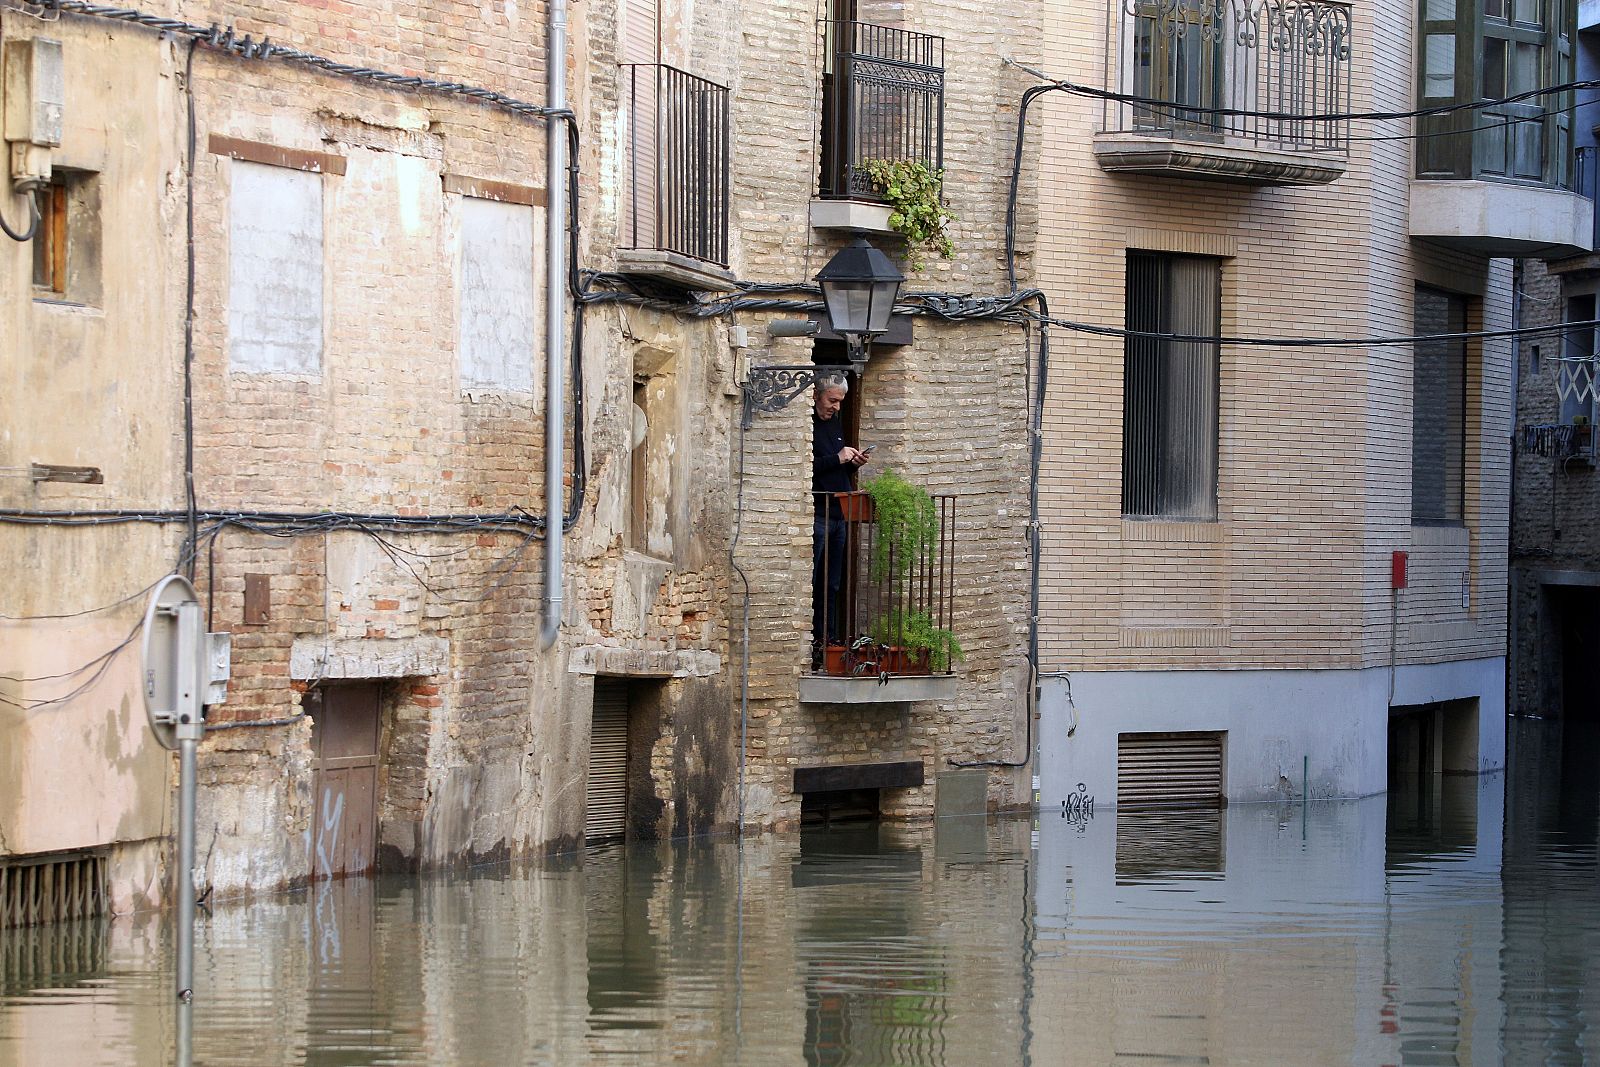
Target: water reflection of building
{"points": [[1272, 933]]}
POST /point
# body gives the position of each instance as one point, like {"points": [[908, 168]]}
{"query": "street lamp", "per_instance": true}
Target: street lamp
{"points": [[859, 287]]}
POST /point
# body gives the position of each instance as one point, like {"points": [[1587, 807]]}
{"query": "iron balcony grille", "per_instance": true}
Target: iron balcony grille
{"points": [[677, 176], [883, 600], [883, 98], [1186, 60]]}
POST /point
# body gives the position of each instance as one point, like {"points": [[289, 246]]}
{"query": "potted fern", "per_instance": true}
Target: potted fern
{"points": [[909, 643], [907, 536]]}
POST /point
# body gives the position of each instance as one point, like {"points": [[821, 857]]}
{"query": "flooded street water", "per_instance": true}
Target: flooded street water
{"points": [[1453, 923]]}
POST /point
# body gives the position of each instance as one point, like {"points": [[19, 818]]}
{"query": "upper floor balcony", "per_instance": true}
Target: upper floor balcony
{"points": [[674, 224], [882, 99], [1495, 173], [886, 632], [1183, 65]]}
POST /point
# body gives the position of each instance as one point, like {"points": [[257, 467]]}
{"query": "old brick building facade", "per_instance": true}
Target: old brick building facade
{"points": [[363, 265]]}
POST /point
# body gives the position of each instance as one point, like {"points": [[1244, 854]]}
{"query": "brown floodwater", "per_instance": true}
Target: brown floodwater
{"points": [[1455, 921]]}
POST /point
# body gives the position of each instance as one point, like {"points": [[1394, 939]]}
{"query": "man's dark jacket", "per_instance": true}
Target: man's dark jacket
{"points": [[828, 475]]}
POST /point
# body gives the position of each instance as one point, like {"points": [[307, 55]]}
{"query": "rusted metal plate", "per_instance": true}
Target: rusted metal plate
{"points": [[257, 599]]}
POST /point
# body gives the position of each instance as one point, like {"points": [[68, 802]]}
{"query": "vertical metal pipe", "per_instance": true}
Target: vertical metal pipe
{"points": [[555, 320], [185, 874]]}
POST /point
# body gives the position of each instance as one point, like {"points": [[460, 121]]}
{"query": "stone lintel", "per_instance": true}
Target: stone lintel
{"points": [[1220, 161], [901, 774], [315, 659], [644, 663], [832, 689]]}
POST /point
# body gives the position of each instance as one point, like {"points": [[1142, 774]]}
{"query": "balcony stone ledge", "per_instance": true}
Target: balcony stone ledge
{"points": [[1502, 219], [900, 688], [1221, 161], [851, 216], [675, 268]]}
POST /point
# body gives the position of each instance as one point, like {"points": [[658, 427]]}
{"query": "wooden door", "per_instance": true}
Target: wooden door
{"points": [[344, 755]]}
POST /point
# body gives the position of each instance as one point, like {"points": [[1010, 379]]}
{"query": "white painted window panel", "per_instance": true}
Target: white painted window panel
{"points": [[274, 270], [495, 318]]}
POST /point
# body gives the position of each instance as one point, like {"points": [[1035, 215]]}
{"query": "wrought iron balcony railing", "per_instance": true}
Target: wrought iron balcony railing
{"points": [[883, 98], [1188, 62], [676, 186], [894, 612]]}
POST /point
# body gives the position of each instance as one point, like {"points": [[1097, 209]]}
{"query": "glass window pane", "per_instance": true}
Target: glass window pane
{"points": [[1443, 10], [1524, 68], [1494, 68], [1530, 12], [1439, 76], [1495, 9]]}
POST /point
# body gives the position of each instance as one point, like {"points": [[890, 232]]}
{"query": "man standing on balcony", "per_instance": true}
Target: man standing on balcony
{"points": [[833, 467]]}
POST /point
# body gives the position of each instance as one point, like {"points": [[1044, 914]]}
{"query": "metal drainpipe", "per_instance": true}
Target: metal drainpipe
{"points": [[555, 322]]}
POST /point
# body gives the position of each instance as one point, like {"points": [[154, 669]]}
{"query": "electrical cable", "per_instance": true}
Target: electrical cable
{"points": [[24, 236], [189, 497], [246, 47], [1078, 89]]}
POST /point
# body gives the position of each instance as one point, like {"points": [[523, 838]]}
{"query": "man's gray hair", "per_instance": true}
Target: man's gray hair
{"points": [[833, 379]]}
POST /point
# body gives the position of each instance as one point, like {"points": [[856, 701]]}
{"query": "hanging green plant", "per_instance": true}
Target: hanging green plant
{"points": [[916, 211], [908, 524]]}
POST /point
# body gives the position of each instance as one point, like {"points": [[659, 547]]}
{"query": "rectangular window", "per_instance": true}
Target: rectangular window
{"points": [[274, 270], [66, 244], [1169, 405], [1575, 378], [1178, 57], [495, 294], [1439, 410]]}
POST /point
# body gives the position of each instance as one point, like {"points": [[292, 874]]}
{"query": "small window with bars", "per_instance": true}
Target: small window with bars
{"points": [[1169, 405], [1439, 410]]}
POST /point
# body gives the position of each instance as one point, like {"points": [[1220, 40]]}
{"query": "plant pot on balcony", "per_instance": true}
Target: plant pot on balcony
{"points": [[836, 658], [897, 659], [854, 507]]}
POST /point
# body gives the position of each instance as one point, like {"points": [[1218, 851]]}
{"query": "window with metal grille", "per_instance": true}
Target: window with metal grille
{"points": [[1169, 770], [1575, 373], [51, 888], [1169, 403], [1439, 410]]}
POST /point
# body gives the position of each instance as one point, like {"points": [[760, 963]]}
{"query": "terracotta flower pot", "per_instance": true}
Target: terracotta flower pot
{"points": [[854, 507]]}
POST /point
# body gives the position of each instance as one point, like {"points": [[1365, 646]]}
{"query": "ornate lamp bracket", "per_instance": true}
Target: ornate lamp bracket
{"points": [[772, 388]]}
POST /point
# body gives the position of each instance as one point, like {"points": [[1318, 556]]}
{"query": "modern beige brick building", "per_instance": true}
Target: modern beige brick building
{"points": [[1221, 521]]}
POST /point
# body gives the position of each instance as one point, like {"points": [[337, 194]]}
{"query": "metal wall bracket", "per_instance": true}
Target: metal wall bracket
{"points": [[772, 388]]}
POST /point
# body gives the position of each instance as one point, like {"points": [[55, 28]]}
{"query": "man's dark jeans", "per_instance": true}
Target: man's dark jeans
{"points": [[828, 540]]}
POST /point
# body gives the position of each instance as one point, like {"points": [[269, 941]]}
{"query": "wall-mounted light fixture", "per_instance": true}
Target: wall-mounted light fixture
{"points": [[859, 287]]}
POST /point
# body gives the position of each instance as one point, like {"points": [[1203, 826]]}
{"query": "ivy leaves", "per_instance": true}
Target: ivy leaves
{"points": [[916, 212]]}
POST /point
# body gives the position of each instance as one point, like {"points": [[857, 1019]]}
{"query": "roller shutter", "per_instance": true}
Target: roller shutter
{"points": [[607, 796], [1170, 770]]}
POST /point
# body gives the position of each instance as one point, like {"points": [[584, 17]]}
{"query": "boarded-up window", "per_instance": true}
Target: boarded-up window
{"points": [[274, 270], [1169, 404], [1439, 410], [495, 324]]}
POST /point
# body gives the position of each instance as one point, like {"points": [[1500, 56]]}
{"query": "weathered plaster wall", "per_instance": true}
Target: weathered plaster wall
{"points": [[91, 384]]}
